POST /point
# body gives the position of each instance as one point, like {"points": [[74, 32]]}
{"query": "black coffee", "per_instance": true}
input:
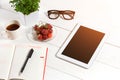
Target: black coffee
{"points": [[12, 27]]}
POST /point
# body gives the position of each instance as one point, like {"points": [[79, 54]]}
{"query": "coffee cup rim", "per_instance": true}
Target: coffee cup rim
{"points": [[10, 23]]}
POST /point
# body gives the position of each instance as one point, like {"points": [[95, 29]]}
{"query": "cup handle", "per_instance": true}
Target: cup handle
{"points": [[3, 35]]}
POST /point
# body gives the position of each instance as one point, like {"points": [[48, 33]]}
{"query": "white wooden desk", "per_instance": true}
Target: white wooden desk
{"points": [[97, 14]]}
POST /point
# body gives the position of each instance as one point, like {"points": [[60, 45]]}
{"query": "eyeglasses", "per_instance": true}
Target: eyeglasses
{"points": [[66, 14]]}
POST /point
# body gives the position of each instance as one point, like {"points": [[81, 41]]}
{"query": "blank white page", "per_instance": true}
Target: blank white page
{"points": [[6, 55]]}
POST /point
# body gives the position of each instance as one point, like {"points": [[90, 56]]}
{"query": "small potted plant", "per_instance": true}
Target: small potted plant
{"points": [[25, 6]]}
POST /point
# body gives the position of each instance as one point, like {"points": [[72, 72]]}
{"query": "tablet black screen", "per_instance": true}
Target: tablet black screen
{"points": [[83, 44]]}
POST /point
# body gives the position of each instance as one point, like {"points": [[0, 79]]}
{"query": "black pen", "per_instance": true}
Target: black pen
{"points": [[28, 56]]}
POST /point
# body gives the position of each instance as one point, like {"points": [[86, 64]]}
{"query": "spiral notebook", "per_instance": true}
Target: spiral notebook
{"points": [[12, 58]]}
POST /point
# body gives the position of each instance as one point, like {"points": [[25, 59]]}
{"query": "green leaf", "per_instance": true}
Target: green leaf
{"points": [[25, 6]]}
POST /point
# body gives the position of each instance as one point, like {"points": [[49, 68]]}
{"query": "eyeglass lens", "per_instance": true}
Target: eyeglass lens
{"points": [[53, 15], [68, 15]]}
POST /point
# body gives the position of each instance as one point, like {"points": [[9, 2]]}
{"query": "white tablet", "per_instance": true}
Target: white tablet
{"points": [[82, 46]]}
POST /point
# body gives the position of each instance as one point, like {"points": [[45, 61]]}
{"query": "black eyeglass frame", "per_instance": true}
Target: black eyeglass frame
{"points": [[70, 13]]}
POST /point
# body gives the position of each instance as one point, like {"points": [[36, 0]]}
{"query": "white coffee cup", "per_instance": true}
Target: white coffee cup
{"points": [[11, 30]]}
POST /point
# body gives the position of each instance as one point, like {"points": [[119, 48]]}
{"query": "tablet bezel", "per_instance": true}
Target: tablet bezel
{"points": [[74, 61]]}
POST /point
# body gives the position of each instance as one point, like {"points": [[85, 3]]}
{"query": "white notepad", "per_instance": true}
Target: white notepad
{"points": [[13, 57], [6, 55]]}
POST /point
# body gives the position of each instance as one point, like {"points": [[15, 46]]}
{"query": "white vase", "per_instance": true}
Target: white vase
{"points": [[31, 19], [22, 18]]}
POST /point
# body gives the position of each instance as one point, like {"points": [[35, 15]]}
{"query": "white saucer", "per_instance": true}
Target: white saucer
{"points": [[31, 35]]}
